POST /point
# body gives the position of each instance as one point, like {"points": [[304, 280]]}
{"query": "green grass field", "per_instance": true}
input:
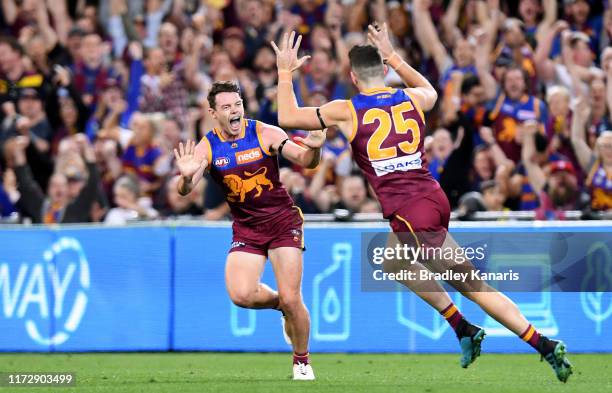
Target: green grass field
{"points": [[241, 372]]}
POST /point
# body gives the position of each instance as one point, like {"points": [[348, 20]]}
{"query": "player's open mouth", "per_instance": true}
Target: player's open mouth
{"points": [[235, 122]]}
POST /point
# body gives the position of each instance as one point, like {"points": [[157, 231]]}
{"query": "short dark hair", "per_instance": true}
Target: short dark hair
{"points": [[221, 87], [366, 62], [469, 82]]}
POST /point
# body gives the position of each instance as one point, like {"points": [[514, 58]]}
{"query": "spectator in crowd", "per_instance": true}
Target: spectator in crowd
{"points": [[597, 163], [143, 157], [163, 87], [530, 11], [31, 121], [177, 205], [576, 67], [578, 13], [130, 207], [354, 195], [322, 76], [90, 73], [73, 113], [558, 130], [14, 75], [513, 107], [56, 206], [493, 196], [115, 109], [556, 192]]}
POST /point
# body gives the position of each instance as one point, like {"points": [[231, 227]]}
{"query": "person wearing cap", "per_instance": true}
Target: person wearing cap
{"points": [[521, 193], [557, 191], [597, 163], [31, 107]]}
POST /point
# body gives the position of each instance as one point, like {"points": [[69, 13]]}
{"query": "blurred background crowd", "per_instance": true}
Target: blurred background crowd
{"points": [[95, 95]]}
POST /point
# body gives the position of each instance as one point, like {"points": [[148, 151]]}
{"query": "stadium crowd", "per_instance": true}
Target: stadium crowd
{"points": [[96, 94]]}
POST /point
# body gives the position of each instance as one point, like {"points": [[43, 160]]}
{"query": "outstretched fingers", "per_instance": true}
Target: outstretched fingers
{"points": [[276, 50], [284, 44], [289, 43], [296, 47], [301, 61]]}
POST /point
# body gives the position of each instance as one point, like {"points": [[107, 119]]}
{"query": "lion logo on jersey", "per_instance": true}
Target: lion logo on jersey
{"points": [[240, 187]]}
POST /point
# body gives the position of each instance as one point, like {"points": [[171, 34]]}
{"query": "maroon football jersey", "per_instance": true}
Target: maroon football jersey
{"points": [[248, 174], [387, 142]]}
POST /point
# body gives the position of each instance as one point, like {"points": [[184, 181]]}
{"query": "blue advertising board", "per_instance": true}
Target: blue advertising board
{"points": [[163, 288]]}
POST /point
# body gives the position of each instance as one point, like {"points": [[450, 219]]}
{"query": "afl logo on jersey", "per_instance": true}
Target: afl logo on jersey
{"points": [[222, 162]]}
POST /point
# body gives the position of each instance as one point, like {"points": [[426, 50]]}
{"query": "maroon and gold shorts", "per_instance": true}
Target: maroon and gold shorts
{"points": [[424, 218], [285, 230]]}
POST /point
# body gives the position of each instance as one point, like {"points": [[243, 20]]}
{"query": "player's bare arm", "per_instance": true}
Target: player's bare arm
{"points": [[290, 114], [418, 86], [278, 142], [192, 162]]}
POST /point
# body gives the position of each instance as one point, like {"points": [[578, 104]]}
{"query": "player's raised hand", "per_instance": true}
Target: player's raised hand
{"points": [[186, 161], [379, 37], [314, 140], [287, 53]]}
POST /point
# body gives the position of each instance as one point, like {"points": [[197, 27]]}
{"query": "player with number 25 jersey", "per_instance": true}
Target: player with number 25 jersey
{"points": [[387, 142], [386, 128]]}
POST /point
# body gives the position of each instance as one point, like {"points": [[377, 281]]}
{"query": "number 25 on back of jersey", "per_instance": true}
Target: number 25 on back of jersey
{"points": [[402, 153]]}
